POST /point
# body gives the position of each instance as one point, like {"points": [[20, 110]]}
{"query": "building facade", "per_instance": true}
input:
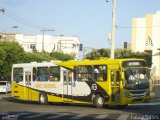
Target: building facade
{"points": [[146, 38], [47, 43]]}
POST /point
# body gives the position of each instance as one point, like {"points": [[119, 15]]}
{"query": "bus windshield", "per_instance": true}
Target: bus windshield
{"points": [[136, 78]]}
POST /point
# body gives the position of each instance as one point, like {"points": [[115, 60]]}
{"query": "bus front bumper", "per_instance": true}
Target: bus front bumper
{"points": [[135, 100]]}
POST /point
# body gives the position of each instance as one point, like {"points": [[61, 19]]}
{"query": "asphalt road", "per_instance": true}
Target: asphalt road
{"points": [[11, 109]]}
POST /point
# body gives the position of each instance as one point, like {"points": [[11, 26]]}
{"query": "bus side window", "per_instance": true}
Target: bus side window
{"points": [[64, 76], [70, 77], [118, 75], [42, 73], [54, 73], [34, 74], [75, 73], [84, 73], [18, 75], [100, 72], [112, 77]]}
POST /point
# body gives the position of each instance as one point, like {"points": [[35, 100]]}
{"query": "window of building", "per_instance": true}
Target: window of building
{"points": [[18, 74], [54, 47], [32, 46]]}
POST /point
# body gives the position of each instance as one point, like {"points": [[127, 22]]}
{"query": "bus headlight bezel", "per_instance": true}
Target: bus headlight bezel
{"points": [[127, 94], [147, 93]]}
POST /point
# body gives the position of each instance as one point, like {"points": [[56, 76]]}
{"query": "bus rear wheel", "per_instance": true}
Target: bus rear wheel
{"points": [[98, 101], [43, 99]]}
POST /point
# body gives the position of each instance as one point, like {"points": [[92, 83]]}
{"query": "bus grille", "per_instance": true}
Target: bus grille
{"points": [[137, 100], [137, 91]]}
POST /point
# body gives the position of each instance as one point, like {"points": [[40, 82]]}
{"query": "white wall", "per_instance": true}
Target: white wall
{"points": [[140, 34], [56, 43], [141, 29], [156, 42]]}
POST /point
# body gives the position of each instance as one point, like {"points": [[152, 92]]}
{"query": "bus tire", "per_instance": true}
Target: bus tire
{"points": [[43, 99], [98, 101]]}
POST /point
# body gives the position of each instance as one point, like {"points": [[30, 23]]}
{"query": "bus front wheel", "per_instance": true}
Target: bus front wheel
{"points": [[43, 99], [99, 101]]}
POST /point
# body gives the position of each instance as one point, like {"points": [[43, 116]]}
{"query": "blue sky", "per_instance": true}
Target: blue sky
{"points": [[90, 20]]}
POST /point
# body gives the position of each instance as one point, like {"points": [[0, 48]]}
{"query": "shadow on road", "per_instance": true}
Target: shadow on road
{"points": [[138, 109]]}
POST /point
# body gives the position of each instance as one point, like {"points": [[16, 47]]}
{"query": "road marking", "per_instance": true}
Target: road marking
{"points": [[146, 104], [79, 116], [36, 115], [58, 116], [21, 114], [101, 116], [123, 117]]}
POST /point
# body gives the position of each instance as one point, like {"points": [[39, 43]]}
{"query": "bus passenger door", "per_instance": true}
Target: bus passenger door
{"points": [[28, 91], [115, 86], [67, 86]]}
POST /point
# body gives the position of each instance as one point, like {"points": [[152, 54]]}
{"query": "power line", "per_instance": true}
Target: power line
{"points": [[19, 19]]}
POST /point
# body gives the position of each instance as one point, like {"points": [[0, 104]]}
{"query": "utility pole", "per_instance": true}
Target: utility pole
{"points": [[113, 28], [43, 31]]}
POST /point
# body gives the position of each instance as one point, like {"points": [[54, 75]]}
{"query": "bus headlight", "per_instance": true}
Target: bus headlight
{"points": [[126, 94]]}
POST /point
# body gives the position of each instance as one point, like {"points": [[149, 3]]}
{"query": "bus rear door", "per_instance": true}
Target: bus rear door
{"points": [[27, 82], [67, 86]]}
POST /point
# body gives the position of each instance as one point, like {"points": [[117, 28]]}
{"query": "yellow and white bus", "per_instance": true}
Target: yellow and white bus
{"points": [[100, 82]]}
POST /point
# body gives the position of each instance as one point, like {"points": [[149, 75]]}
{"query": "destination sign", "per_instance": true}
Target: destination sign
{"points": [[134, 64]]}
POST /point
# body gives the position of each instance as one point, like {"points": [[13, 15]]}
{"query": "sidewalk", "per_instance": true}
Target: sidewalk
{"points": [[3, 95], [153, 101]]}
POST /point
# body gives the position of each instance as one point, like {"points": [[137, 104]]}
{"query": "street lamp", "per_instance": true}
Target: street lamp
{"points": [[9, 28]]}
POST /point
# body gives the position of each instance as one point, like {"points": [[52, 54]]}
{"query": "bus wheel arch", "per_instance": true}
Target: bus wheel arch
{"points": [[43, 99]]}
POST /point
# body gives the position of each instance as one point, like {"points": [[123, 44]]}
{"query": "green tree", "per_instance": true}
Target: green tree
{"points": [[93, 55], [120, 54], [61, 56], [10, 53], [38, 57]]}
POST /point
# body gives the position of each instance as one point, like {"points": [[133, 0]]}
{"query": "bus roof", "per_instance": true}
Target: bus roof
{"points": [[34, 64], [71, 63]]}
